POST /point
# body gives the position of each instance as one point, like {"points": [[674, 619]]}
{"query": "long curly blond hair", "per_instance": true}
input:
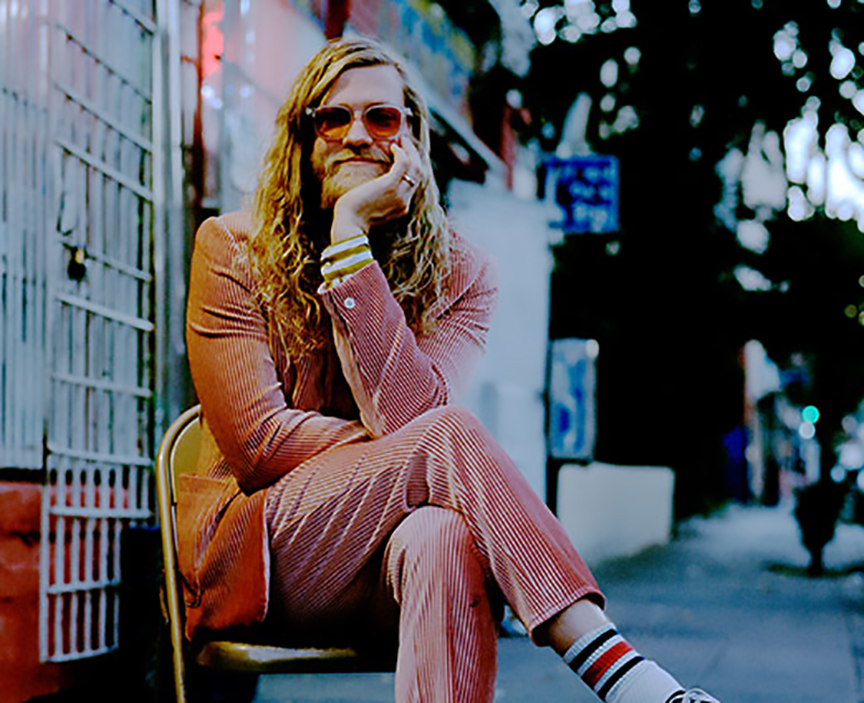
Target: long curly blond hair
{"points": [[286, 246]]}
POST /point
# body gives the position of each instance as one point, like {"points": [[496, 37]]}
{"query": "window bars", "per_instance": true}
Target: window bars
{"points": [[101, 312]]}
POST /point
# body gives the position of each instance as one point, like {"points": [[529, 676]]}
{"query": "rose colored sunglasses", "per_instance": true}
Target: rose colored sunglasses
{"points": [[333, 122]]}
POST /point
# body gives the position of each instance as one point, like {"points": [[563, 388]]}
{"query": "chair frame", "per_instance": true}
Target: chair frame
{"points": [[177, 454]]}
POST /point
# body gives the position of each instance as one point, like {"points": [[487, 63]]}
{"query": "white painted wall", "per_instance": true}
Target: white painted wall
{"points": [[507, 394], [615, 511]]}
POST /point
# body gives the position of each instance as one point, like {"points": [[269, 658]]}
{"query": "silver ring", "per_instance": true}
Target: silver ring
{"points": [[410, 181]]}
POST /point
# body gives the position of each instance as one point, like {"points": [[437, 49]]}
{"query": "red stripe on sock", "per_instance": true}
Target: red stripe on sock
{"points": [[595, 672]]}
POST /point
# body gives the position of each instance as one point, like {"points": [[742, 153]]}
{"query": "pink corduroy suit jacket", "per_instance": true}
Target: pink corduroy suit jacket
{"points": [[264, 414]]}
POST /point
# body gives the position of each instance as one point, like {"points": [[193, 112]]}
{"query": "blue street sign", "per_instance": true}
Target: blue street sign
{"points": [[572, 415], [586, 190]]}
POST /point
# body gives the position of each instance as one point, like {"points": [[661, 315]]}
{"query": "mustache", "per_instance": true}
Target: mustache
{"points": [[371, 155]]}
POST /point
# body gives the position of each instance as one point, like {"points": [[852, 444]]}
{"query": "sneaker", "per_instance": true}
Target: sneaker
{"points": [[693, 695]]}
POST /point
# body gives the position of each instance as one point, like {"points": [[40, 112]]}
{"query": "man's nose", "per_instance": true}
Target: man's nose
{"points": [[357, 132]]}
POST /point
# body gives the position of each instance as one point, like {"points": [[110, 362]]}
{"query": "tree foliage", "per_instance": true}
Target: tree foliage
{"points": [[662, 295]]}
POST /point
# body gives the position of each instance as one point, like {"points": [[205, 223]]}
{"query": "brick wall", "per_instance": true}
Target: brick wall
{"points": [[22, 676]]}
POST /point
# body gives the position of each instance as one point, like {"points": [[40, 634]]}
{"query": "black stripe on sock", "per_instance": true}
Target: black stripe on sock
{"points": [[592, 647], [676, 697], [618, 675]]}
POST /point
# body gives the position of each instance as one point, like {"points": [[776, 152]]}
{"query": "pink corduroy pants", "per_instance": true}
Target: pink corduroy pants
{"points": [[430, 525]]}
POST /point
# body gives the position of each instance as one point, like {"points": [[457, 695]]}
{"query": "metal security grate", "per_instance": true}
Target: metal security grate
{"points": [[24, 180], [101, 58]]}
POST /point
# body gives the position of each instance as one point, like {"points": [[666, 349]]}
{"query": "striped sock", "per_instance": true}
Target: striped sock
{"points": [[616, 672]]}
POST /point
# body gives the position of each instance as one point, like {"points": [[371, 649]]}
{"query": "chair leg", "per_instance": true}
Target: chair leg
{"points": [[215, 686]]}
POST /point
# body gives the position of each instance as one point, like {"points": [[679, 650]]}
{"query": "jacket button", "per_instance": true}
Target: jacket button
{"points": [[349, 303]]}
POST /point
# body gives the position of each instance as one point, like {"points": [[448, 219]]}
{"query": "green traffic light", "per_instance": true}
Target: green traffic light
{"points": [[810, 414]]}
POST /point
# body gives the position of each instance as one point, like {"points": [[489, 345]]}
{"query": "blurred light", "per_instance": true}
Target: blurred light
{"points": [[799, 59], [861, 281], [210, 97], [816, 179], [609, 73], [626, 20], [757, 4], [849, 424], [612, 248], [785, 42], [751, 279], [855, 159], [574, 8], [632, 55], [588, 21], [548, 130], [838, 473], [800, 138], [810, 414], [806, 430], [803, 84], [851, 311], [696, 115], [848, 89], [852, 455], [627, 119], [607, 102], [544, 24], [834, 4], [592, 348], [842, 63], [571, 33], [610, 24], [529, 7], [860, 481], [753, 235], [695, 7], [695, 154], [514, 98]]}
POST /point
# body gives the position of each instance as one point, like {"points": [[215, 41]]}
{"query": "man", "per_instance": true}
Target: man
{"points": [[340, 491]]}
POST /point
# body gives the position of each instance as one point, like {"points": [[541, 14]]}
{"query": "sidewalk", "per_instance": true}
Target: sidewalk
{"points": [[725, 606]]}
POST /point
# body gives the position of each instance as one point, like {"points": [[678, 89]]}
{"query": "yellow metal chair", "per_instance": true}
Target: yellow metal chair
{"points": [[231, 661]]}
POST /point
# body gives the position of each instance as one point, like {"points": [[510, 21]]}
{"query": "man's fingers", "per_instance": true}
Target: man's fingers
{"points": [[404, 166]]}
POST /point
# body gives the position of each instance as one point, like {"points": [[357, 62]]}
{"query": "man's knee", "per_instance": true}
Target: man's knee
{"points": [[452, 423], [435, 545], [430, 532]]}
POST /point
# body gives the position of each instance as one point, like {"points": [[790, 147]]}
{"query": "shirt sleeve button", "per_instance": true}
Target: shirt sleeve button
{"points": [[349, 303]]}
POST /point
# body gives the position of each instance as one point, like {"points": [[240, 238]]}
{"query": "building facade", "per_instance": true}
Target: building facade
{"points": [[123, 124]]}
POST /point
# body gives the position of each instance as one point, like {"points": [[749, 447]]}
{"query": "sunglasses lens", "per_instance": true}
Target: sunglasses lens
{"points": [[383, 121], [332, 122]]}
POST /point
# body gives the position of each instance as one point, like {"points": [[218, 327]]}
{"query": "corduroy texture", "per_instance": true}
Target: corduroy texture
{"points": [[263, 415], [339, 489], [329, 518]]}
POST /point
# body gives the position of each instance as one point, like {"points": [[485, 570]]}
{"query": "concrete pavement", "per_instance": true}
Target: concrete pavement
{"points": [[725, 606]]}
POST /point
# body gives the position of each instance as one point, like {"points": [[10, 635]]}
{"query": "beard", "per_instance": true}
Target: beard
{"points": [[347, 169]]}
